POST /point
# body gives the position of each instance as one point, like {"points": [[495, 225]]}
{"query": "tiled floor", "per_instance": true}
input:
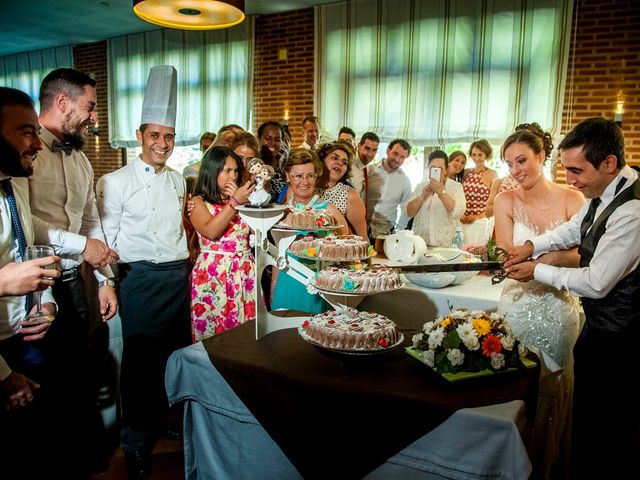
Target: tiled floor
{"points": [[167, 458]]}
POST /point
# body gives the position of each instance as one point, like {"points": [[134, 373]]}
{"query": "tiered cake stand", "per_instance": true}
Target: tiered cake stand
{"points": [[261, 220]]}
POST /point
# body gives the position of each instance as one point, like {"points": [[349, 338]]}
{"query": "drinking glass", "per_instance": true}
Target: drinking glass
{"points": [[31, 253]]}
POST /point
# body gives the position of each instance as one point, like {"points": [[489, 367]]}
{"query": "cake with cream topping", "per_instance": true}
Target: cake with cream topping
{"points": [[351, 330], [357, 279], [342, 249], [308, 219]]}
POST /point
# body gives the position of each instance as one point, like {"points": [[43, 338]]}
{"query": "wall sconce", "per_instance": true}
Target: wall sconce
{"points": [[95, 130], [191, 14], [617, 114]]}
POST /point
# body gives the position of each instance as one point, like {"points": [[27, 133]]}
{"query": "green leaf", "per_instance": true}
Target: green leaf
{"points": [[452, 340]]}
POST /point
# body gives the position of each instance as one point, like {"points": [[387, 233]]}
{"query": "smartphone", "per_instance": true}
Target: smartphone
{"points": [[435, 173]]}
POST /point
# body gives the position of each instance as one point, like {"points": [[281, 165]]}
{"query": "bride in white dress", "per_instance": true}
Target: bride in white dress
{"points": [[543, 318]]}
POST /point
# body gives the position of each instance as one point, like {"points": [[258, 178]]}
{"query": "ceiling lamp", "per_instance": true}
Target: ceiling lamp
{"points": [[191, 14]]}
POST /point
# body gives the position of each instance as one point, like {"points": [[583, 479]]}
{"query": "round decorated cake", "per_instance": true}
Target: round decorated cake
{"points": [[345, 248], [357, 280], [351, 330], [308, 219]]}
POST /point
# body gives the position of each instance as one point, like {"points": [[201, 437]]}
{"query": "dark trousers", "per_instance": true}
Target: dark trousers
{"points": [[606, 406], [155, 312], [23, 431], [68, 367]]}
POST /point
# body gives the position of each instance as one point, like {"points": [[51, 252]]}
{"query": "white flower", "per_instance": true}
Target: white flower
{"points": [[416, 339], [456, 357], [459, 314], [495, 316], [435, 338], [497, 360], [427, 327], [522, 350], [429, 357], [465, 331], [478, 313], [507, 342], [471, 343]]}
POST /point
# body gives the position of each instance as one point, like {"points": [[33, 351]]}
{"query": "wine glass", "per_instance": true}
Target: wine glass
{"points": [[31, 253]]}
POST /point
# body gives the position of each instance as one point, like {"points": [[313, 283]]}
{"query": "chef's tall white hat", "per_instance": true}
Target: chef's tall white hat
{"points": [[160, 97]]}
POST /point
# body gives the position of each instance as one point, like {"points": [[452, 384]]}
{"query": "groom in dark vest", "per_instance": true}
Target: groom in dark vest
{"points": [[606, 418]]}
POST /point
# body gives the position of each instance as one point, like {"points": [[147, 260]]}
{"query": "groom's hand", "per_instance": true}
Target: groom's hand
{"points": [[523, 272], [519, 254]]}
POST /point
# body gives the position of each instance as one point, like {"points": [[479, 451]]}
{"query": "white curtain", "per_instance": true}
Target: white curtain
{"points": [[214, 79], [442, 71], [25, 71]]}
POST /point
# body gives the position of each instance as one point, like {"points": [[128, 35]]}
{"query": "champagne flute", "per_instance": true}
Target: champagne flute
{"points": [[31, 253]]}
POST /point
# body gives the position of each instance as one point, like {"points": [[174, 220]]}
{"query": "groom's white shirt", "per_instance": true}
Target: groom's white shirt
{"points": [[617, 253]]}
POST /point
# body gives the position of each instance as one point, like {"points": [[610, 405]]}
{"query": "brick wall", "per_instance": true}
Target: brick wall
{"points": [[604, 59], [284, 84], [91, 58]]}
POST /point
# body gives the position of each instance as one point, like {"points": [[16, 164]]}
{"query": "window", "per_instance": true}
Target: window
{"points": [[442, 72], [214, 79]]}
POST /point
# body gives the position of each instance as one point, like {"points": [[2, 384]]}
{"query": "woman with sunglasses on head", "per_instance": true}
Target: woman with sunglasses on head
{"points": [[337, 158]]}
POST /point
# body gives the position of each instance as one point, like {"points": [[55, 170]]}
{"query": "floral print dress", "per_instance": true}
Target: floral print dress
{"points": [[223, 293]]}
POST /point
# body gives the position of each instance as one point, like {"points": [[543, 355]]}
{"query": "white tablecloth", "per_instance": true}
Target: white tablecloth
{"points": [[412, 306]]}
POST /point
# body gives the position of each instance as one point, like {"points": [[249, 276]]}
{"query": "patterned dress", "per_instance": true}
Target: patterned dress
{"points": [[477, 195], [338, 195], [223, 291], [476, 192]]}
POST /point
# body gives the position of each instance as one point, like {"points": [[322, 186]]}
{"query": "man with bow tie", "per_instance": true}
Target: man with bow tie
{"points": [[606, 417], [61, 192]]}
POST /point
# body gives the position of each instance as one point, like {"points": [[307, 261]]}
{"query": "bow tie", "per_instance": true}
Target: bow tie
{"points": [[57, 146]]}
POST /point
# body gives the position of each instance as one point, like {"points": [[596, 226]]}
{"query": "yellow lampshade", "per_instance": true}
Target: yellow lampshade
{"points": [[191, 14]]}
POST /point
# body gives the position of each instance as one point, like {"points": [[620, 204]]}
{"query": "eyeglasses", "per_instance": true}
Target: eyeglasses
{"points": [[299, 176]]}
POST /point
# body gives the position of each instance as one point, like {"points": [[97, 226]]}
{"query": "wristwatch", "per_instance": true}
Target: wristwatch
{"points": [[109, 281]]}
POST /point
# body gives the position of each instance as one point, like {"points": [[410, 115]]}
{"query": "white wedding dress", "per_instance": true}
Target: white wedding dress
{"points": [[547, 321]]}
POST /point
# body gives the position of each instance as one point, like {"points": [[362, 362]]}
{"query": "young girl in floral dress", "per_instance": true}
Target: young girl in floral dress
{"points": [[222, 281]]}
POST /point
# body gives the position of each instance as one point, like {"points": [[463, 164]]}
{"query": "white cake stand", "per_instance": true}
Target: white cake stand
{"points": [[261, 220]]}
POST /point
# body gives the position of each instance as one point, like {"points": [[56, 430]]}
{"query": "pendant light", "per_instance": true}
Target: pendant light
{"points": [[191, 14]]}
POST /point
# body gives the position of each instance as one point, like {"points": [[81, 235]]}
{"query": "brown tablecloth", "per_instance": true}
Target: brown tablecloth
{"points": [[340, 416]]}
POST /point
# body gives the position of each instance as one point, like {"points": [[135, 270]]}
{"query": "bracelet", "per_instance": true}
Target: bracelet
{"points": [[233, 201]]}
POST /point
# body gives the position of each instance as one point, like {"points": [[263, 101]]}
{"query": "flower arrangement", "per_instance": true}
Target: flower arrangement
{"points": [[464, 341]]}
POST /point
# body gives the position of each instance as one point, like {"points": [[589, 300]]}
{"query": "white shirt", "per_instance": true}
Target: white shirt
{"points": [[617, 253], [61, 193], [356, 177], [387, 191], [141, 213], [433, 222], [306, 145], [12, 308]]}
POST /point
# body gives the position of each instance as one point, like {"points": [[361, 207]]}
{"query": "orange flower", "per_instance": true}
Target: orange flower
{"points": [[491, 344], [446, 321]]}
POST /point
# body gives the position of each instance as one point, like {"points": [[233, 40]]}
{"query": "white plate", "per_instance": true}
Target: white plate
{"points": [[286, 228], [308, 339], [274, 208], [356, 293]]}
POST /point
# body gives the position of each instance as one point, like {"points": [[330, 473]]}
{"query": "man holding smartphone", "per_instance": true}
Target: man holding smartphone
{"points": [[436, 204]]}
